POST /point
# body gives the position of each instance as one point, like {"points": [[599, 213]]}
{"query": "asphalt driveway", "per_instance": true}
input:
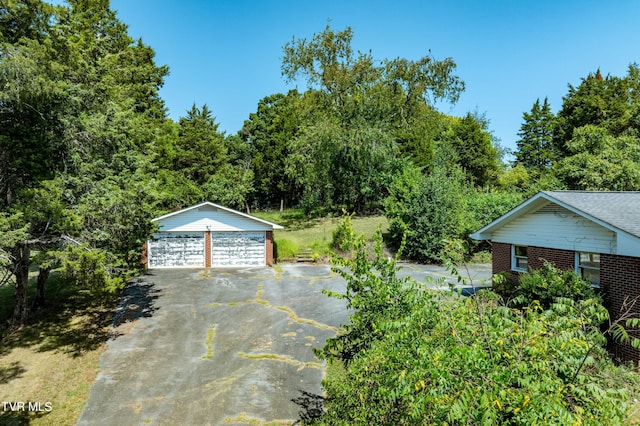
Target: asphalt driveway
{"points": [[217, 347], [232, 347]]}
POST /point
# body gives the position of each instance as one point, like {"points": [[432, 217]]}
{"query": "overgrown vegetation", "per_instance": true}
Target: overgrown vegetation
{"points": [[411, 356], [89, 156], [80, 111]]}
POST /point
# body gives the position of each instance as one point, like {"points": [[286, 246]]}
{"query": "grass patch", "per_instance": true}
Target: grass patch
{"points": [[281, 358], [211, 332], [295, 318], [55, 357], [254, 421], [301, 232]]}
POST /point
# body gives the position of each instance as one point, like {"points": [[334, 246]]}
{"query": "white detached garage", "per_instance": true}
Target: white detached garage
{"points": [[209, 235]]}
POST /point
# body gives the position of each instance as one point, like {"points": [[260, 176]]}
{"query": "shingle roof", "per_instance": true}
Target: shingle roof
{"points": [[619, 209]]}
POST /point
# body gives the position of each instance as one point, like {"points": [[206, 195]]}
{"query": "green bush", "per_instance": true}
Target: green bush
{"points": [[343, 235], [545, 285], [88, 269], [428, 214]]}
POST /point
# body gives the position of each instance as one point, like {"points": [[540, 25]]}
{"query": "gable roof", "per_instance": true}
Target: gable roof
{"points": [[617, 211], [217, 206]]}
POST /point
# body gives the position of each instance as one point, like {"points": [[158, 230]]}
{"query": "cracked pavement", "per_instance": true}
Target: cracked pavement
{"points": [[232, 347], [217, 347]]}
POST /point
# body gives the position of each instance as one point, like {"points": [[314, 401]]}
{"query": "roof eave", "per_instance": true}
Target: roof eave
{"points": [[486, 232], [218, 206]]}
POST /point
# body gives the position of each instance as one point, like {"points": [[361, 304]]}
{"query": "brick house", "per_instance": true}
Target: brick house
{"points": [[596, 234]]}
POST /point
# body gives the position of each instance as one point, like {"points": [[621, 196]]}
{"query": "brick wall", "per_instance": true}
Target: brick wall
{"points": [[144, 257], [561, 259], [269, 248], [620, 281], [207, 249], [501, 257]]}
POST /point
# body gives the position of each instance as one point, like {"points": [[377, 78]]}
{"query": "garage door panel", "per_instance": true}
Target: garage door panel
{"points": [[238, 248], [176, 250]]}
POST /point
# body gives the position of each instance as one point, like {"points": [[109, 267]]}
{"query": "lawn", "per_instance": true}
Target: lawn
{"points": [[303, 233], [54, 360]]}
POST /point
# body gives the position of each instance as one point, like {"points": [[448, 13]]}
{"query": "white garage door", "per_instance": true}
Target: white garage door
{"points": [[238, 248], [172, 249]]}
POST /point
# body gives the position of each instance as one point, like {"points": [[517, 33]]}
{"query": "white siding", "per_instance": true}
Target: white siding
{"points": [[238, 249], [556, 227], [208, 218], [180, 249]]}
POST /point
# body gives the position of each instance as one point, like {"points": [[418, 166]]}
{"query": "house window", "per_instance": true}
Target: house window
{"points": [[588, 267], [519, 258]]}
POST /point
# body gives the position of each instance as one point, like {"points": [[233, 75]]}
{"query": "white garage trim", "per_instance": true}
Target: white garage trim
{"points": [[239, 248], [176, 249]]}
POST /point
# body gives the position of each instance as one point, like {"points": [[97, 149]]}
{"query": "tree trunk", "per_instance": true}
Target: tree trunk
{"points": [[43, 276], [22, 255]]}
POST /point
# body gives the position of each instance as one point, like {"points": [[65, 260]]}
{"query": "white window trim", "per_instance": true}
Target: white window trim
{"points": [[577, 266], [514, 266]]}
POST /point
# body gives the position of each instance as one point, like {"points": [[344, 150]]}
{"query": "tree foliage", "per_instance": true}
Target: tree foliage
{"points": [[535, 147], [596, 160], [427, 213]]}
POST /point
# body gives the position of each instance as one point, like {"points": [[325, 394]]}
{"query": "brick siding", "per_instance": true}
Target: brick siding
{"points": [[269, 248], [207, 249], [620, 281], [561, 259], [501, 257]]}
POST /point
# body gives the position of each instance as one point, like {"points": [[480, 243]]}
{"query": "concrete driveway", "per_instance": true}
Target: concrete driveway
{"points": [[232, 347]]}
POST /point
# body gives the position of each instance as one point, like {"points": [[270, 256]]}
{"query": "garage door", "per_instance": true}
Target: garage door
{"points": [[169, 249], [238, 249]]}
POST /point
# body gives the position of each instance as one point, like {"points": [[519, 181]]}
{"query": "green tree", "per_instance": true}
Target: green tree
{"points": [[429, 212], [200, 148], [346, 168], [79, 109], [535, 146], [268, 132], [597, 160], [474, 148], [610, 102], [360, 118]]}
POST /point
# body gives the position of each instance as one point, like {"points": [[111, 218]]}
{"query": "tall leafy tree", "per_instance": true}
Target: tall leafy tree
{"points": [[610, 102], [268, 132], [474, 148], [597, 160], [362, 112], [78, 105], [535, 146]]}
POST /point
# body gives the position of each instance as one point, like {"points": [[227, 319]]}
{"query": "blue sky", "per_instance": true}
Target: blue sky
{"points": [[227, 53]]}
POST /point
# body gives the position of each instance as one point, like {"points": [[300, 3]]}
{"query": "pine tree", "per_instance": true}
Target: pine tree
{"points": [[535, 148]]}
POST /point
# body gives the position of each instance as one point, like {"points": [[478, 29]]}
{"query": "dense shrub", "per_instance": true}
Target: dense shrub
{"points": [[284, 249], [544, 285], [428, 213], [433, 209], [412, 356]]}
